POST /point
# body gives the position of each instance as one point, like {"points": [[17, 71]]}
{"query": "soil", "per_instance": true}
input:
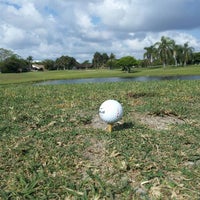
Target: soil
{"points": [[153, 121], [97, 123], [163, 122]]}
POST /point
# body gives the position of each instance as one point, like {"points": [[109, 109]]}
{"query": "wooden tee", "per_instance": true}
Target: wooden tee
{"points": [[109, 128]]}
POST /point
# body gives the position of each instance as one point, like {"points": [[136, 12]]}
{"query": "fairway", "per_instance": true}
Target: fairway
{"points": [[53, 145], [98, 73]]}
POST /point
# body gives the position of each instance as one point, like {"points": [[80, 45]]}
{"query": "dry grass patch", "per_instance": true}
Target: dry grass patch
{"points": [[158, 122]]}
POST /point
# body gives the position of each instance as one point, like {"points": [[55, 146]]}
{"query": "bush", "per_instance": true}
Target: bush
{"points": [[14, 64], [126, 63]]}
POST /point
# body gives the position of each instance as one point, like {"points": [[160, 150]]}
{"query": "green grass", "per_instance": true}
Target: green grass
{"points": [[72, 74], [50, 150]]}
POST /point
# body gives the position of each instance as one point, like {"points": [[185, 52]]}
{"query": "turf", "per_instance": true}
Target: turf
{"points": [[74, 74], [49, 148]]}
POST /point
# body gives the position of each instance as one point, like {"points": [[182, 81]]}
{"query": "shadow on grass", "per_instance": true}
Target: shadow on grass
{"points": [[133, 71], [126, 125]]}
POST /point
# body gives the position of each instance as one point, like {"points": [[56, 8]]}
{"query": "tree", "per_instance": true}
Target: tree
{"points": [[150, 54], [97, 60], [177, 53], [105, 58], [100, 60], [14, 64], [30, 59], [165, 49], [168, 52], [111, 60], [65, 62], [187, 53], [4, 53], [49, 64], [127, 63], [196, 58]]}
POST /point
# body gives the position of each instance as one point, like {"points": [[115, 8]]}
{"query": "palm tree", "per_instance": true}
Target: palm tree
{"points": [[165, 49], [29, 59], [150, 54], [187, 53], [111, 59], [177, 51]]}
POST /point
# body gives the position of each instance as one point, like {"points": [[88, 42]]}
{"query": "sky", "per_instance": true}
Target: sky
{"points": [[48, 29]]}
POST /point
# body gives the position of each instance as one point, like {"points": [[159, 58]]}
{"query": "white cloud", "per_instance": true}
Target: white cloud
{"points": [[25, 17], [51, 28], [148, 15], [8, 37]]}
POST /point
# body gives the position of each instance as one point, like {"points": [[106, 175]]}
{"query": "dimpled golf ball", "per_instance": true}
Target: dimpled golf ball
{"points": [[110, 111]]}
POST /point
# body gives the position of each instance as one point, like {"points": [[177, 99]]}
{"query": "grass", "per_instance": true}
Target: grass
{"points": [[50, 150], [72, 74]]}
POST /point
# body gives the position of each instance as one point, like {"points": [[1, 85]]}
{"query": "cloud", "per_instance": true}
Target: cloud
{"points": [[25, 16], [49, 28], [148, 15]]}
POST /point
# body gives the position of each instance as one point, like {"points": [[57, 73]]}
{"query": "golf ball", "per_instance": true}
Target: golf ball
{"points": [[110, 111]]}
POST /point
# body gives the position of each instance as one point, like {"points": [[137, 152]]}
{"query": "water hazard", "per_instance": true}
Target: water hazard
{"points": [[119, 79]]}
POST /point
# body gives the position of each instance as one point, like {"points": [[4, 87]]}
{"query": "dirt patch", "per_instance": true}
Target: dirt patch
{"points": [[96, 159], [97, 123], [157, 121], [96, 152], [164, 122]]}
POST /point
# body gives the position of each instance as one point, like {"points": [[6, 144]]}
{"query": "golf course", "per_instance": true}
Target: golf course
{"points": [[54, 146]]}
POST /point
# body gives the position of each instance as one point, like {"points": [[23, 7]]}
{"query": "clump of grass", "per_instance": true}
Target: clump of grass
{"points": [[50, 150]]}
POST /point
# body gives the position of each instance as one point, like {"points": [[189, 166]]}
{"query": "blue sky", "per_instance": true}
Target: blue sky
{"points": [[48, 29]]}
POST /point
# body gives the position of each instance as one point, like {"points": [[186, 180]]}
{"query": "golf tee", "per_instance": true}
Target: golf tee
{"points": [[109, 128]]}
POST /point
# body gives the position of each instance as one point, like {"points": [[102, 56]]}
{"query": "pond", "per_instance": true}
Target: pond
{"points": [[119, 79]]}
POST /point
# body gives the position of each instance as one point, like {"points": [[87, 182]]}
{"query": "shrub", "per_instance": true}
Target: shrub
{"points": [[14, 64]]}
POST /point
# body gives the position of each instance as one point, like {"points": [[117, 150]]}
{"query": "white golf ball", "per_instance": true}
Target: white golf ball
{"points": [[111, 111]]}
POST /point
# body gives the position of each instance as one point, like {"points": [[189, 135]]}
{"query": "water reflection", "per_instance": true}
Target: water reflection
{"points": [[119, 79]]}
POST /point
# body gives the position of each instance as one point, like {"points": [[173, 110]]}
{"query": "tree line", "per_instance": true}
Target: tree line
{"points": [[167, 52], [12, 63], [164, 52]]}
